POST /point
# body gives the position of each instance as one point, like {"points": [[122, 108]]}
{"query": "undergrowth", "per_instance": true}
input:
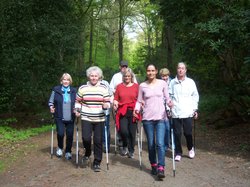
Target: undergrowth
{"points": [[210, 103], [9, 136]]}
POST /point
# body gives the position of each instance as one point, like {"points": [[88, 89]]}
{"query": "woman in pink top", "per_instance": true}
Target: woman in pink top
{"points": [[124, 102], [150, 100]]}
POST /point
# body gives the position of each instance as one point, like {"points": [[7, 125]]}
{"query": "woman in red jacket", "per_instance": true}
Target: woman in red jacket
{"points": [[124, 102]]}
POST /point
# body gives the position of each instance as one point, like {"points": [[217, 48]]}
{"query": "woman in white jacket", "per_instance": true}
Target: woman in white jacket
{"points": [[185, 99]]}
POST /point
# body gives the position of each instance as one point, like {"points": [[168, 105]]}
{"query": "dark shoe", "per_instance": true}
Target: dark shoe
{"points": [[160, 172], [96, 168], [85, 161], [154, 170]]}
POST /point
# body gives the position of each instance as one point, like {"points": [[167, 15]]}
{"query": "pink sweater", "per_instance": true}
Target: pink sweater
{"points": [[151, 100]]}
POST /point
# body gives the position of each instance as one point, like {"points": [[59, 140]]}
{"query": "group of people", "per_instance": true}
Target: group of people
{"points": [[131, 102]]}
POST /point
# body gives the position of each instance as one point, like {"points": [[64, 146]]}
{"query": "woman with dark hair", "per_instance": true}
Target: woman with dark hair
{"points": [[150, 100]]}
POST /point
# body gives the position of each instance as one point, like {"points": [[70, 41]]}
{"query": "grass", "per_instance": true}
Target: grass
{"points": [[13, 135], [9, 137]]}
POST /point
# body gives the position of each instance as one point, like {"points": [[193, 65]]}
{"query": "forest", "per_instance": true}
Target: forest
{"points": [[40, 40]]}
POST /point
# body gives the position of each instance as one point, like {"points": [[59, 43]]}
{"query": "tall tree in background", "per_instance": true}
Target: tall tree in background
{"points": [[39, 40], [214, 36]]}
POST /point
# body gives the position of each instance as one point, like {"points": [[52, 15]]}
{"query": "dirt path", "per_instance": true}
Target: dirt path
{"points": [[34, 167]]}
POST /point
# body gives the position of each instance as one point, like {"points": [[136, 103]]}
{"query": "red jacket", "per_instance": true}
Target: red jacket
{"points": [[121, 111]]}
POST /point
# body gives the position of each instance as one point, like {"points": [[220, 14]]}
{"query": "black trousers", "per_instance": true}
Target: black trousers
{"points": [[186, 124], [128, 131], [97, 129], [60, 128]]}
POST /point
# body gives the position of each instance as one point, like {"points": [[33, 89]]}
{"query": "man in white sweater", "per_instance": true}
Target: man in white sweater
{"points": [[117, 78]]}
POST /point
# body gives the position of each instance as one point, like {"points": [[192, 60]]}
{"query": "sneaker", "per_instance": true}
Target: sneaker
{"points": [[68, 156], [191, 153], [160, 172], [59, 152], [96, 168], [178, 158], [85, 161], [130, 155], [124, 151], [154, 170]]}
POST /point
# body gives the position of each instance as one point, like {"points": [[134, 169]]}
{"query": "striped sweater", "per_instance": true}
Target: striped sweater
{"points": [[89, 99]]}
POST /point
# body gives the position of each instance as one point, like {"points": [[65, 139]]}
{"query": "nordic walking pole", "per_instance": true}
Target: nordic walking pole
{"points": [[106, 140], [106, 145], [172, 139], [115, 139], [173, 150], [52, 138], [195, 116], [173, 146], [194, 134], [77, 143], [139, 148], [141, 138], [115, 132]]}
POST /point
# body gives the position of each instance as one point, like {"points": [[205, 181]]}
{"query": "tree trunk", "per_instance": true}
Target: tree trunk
{"points": [[91, 39], [120, 32]]}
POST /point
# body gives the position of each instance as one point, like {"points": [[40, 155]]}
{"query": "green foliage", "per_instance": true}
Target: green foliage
{"points": [[210, 103], [11, 134], [39, 42], [213, 38]]}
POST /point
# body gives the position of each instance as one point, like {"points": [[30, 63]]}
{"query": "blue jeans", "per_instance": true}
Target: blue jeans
{"points": [[155, 132], [107, 119], [167, 135]]}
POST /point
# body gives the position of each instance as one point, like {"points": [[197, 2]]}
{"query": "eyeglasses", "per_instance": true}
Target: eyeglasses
{"points": [[124, 66]]}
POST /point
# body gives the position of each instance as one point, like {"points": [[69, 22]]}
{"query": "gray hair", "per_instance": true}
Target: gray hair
{"points": [[185, 64], [94, 69], [128, 70]]}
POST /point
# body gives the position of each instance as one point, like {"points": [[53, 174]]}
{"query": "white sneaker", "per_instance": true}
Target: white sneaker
{"points": [[68, 156], [178, 158], [59, 152], [191, 153]]}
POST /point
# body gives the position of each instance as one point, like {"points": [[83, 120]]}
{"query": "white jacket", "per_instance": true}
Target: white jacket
{"points": [[185, 97]]}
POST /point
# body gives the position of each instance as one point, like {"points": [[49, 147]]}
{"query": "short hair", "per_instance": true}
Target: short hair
{"points": [[182, 63], [94, 69], [164, 71], [128, 70], [67, 76]]}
